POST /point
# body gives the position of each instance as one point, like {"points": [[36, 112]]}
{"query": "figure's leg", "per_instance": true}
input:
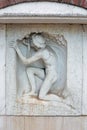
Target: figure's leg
{"points": [[31, 72], [39, 73], [47, 84], [31, 78]]}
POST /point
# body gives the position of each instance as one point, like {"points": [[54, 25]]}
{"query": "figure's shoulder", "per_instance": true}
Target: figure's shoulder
{"points": [[45, 50], [42, 52], [45, 53]]}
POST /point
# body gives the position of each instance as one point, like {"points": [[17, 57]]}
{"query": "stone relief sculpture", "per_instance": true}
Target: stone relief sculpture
{"points": [[46, 60]]}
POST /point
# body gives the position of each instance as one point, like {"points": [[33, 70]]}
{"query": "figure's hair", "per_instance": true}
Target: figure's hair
{"points": [[35, 35]]}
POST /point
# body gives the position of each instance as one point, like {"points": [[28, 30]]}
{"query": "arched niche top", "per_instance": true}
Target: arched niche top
{"points": [[32, 11], [81, 3], [43, 9]]}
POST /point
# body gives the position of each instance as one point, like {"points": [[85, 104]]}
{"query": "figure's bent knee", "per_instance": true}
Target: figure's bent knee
{"points": [[54, 79], [41, 96]]}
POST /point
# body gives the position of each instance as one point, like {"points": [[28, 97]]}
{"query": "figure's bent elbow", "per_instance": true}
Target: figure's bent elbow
{"points": [[25, 61]]}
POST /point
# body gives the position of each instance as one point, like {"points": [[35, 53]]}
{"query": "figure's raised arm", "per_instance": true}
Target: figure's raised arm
{"points": [[30, 60], [22, 58], [35, 57], [14, 45]]}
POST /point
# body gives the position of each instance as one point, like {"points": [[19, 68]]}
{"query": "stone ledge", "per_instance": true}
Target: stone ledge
{"points": [[71, 20], [34, 13]]}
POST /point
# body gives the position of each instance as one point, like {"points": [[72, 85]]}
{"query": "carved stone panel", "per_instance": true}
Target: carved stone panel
{"points": [[44, 69]]}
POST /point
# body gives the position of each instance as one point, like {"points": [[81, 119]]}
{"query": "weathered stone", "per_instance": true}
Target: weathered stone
{"points": [[5, 3], [84, 97], [2, 69], [69, 101], [37, 9]]}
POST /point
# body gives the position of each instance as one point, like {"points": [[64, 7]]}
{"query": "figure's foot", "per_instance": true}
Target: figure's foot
{"points": [[30, 94], [50, 97]]}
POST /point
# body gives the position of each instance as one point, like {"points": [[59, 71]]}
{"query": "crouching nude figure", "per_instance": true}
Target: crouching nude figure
{"points": [[49, 74]]}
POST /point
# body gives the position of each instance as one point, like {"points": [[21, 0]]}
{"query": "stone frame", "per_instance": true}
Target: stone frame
{"points": [[74, 75], [50, 19]]}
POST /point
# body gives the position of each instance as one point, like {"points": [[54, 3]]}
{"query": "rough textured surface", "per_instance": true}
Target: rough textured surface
{"points": [[82, 3]]}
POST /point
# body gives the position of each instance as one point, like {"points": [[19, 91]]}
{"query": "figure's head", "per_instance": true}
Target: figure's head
{"points": [[26, 40], [38, 41]]}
